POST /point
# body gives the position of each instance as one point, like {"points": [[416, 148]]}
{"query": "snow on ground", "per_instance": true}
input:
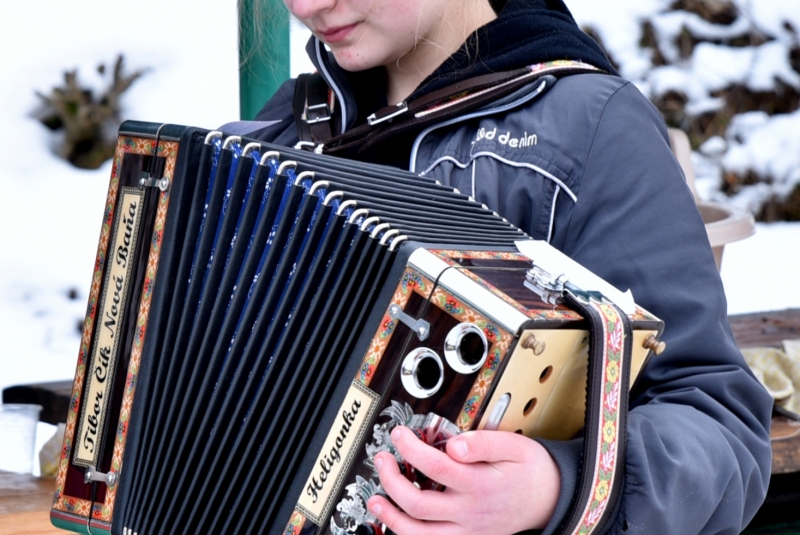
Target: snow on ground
{"points": [[51, 212]]}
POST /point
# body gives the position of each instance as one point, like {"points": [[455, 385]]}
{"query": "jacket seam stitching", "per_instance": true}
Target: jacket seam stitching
{"points": [[501, 108], [557, 181]]}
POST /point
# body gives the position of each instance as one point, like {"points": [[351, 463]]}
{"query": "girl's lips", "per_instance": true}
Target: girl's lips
{"points": [[334, 35]]}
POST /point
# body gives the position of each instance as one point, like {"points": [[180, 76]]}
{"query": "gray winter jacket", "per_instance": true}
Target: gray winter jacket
{"points": [[585, 164]]}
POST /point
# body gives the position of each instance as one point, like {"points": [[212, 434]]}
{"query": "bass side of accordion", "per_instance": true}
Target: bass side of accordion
{"points": [[261, 317]]}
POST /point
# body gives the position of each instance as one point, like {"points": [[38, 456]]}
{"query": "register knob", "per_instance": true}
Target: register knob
{"points": [[652, 343], [530, 342]]}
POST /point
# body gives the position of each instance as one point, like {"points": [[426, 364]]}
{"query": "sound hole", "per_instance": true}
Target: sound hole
{"points": [[471, 348], [546, 373], [422, 373], [427, 373], [529, 406], [465, 348]]}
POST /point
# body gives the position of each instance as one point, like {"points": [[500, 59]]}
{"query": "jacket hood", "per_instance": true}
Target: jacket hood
{"points": [[525, 32]]}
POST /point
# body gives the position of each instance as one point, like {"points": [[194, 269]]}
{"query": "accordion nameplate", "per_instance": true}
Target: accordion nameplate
{"points": [[108, 336], [338, 452]]}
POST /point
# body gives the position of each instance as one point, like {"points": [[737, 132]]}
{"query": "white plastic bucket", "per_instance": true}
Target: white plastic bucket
{"points": [[18, 436]]}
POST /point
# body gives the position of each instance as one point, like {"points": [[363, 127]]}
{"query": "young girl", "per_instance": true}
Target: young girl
{"points": [[584, 163]]}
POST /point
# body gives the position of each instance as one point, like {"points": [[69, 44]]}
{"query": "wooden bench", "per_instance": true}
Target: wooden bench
{"points": [[780, 513], [25, 505], [769, 329]]}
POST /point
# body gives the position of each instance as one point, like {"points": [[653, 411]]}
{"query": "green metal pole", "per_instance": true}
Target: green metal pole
{"points": [[263, 53]]}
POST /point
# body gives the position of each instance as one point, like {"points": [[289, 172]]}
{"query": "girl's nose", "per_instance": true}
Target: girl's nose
{"points": [[306, 9]]}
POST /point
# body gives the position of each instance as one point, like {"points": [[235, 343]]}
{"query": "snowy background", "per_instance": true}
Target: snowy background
{"points": [[51, 212]]}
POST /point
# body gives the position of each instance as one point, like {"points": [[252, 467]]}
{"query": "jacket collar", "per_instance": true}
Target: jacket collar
{"points": [[358, 94]]}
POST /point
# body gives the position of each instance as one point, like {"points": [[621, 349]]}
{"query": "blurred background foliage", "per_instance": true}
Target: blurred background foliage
{"points": [[86, 121], [671, 38]]}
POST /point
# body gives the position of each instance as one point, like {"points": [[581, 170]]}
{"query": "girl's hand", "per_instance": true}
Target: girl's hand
{"points": [[496, 482]]}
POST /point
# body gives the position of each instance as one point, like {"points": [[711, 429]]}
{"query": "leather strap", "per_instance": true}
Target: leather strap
{"points": [[440, 105], [312, 106]]}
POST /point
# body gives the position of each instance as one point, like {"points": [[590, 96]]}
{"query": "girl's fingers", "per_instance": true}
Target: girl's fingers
{"points": [[418, 503], [489, 447], [435, 464], [403, 524], [496, 483]]}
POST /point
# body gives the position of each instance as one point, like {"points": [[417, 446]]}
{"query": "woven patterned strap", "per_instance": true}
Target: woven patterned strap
{"points": [[606, 417]]}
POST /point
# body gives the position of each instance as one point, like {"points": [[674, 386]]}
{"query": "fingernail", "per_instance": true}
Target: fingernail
{"points": [[396, 433], [376, 509], [460, 448], [378, 463]]}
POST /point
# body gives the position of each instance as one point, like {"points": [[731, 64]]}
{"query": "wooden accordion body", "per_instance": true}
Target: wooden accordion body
{"points": [[256, 327]]}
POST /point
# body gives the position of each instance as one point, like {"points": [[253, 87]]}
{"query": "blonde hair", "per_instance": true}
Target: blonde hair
{"points": [[257, 29]]}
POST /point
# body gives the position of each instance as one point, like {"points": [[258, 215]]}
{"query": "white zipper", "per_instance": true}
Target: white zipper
{"points": [[552, 215], [329, 79], [474, 165], [412, 164]]}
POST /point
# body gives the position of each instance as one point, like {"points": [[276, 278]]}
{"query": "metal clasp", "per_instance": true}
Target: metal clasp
{"points": [[545, 285], [387, 114], [421, 327], [147, 181], [318, 113], [93, 475], [304, 145]]}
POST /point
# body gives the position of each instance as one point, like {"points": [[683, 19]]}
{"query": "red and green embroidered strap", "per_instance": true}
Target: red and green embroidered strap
{"points": [[606, 415]]}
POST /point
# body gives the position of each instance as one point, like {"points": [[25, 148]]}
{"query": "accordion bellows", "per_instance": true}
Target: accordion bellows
{"points": [[259, 319]]}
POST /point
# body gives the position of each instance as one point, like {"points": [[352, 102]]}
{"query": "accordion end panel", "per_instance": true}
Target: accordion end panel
{"points": [[120, 298]]}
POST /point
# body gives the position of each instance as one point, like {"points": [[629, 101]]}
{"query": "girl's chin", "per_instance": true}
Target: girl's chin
{"points": [[353, 62]]}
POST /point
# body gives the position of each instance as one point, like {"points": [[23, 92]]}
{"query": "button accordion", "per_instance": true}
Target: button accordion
{"points": [[261, 317]]}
